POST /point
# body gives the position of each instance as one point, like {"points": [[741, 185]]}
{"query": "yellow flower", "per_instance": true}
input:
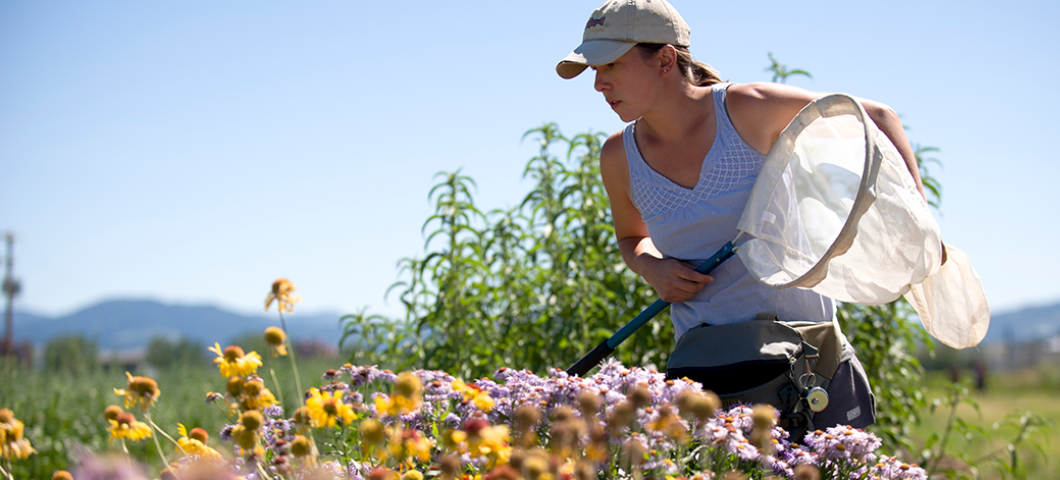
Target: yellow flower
{"points": [[126, 426], [277, 341], [484, 440], [255, 396], [232, 361], [247, 440], [142, 391], [478, 397], [12, 445], [406, 398], [195, 443], [327, 409], [282, 294], [406, 446]]}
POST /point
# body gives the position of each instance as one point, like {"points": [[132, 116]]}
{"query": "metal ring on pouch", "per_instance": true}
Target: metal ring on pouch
{"points": [[818, 399]]}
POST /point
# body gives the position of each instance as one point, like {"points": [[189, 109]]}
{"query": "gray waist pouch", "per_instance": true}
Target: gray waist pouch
{"points": [[760, 361]]}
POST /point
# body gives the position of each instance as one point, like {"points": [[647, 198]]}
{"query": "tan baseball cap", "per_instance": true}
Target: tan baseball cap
{"points": [[618, 25]]}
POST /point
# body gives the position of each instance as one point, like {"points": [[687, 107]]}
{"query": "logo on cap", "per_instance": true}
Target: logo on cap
{"points": [[595, 22]]}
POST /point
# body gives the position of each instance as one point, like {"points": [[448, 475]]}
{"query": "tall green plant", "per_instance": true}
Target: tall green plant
{"points": [[534, 286]]}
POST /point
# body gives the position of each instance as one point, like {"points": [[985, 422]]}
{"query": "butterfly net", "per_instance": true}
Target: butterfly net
{"points": [[835, 210]]}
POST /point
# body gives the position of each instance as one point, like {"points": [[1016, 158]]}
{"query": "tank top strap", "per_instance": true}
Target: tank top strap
{"points": [[721, 111]]}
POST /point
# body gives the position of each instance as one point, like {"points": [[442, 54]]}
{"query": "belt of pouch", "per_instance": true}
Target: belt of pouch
{"points": [[784, 364]]}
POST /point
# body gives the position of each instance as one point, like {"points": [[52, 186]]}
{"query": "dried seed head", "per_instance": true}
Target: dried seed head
{"points": [[200, 435], [253, 387], [450, 465], [639, 396], [112, 412], [633, 453], [584, 471], [408, 385], [807, 472], [372, 431], [733, 476], [233, 353], [535, 466], [125, 418], [526, 416], [145, 386], [622, 415], [273, 336], [234, 386], [516, 458], [705, 405], [300, 446], [245, 437], [302, 416], [251, 419], [561, 414], [763, 416], [167, 474], [588, 403]]}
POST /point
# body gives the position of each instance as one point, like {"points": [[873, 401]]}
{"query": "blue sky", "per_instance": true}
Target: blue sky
{"points": [[192, 152]]}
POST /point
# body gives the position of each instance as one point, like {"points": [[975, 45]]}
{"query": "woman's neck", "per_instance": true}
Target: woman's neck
{"points": [[678, 114]]}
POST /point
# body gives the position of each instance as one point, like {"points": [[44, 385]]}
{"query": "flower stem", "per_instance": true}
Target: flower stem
{"points": [[8, 475], [147, 416], [290, 352], [158, 446], [276, 383]]}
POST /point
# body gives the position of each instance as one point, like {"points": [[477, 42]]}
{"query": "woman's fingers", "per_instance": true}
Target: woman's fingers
{"points": [[682, 283], [690, 274]]}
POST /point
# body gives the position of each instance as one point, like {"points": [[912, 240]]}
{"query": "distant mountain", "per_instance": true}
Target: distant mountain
{"points": [[131, 324], [1031, 323]]}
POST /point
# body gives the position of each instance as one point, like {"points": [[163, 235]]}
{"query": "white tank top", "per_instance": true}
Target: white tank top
{"points": [[692, 224]]}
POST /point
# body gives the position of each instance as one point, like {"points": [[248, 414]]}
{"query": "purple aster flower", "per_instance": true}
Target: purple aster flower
{"points": [[274, 411], [94, 467], [226, 433], [890, 468]]}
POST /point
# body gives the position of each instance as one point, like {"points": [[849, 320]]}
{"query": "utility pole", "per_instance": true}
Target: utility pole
{"points": [[11, 288]]}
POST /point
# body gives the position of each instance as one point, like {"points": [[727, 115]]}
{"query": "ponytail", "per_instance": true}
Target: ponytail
{"points": [[697, 73]]}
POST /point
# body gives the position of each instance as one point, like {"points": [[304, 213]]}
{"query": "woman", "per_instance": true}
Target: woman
{"points": [[680, 173]]}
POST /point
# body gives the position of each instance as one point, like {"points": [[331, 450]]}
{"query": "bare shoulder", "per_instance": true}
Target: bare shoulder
{"points": [[760, 110], [768, 95], [613, 164]]}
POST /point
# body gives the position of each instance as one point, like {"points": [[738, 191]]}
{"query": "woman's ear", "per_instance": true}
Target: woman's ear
{"points": [[667, 58]]}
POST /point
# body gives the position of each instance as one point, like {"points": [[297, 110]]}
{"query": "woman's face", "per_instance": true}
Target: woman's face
{"points": [[628, 84]]}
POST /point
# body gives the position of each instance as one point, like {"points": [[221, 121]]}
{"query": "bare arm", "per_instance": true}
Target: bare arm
{"points": [[673, 280], [760, 111]]}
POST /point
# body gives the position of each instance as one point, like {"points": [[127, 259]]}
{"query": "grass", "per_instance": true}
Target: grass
{"points": [[63, 411], [994, 426]]}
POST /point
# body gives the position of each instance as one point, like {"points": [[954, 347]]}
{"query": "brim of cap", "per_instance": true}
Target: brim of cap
{"points": [[592, 53]]}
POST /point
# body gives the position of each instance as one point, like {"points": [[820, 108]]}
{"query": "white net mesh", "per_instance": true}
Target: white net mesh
{"points": [[834, 209]]}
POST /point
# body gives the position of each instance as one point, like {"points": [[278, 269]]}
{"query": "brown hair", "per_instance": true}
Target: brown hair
{"points": [[696, 72]]}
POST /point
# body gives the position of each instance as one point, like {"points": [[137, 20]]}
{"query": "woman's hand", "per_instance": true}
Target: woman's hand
{"points": [[675, 281]]}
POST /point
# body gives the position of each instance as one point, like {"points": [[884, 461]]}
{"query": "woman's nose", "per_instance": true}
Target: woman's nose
{"points": [[599, 83]]}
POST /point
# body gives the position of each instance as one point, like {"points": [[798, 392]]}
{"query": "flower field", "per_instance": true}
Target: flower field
{"points": [[362, 422]]}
